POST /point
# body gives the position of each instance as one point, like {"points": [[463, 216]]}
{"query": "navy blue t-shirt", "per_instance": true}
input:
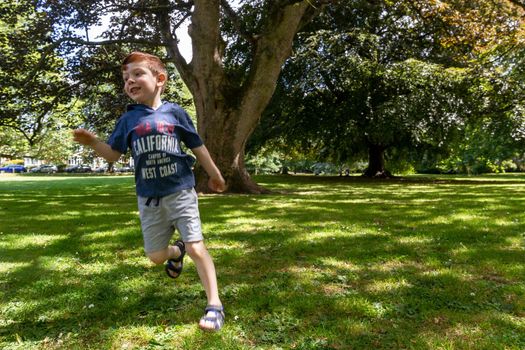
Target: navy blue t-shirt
{"points": [[154, 136]]}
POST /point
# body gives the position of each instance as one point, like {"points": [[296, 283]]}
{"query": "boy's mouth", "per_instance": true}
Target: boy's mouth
{"points": [[134, 90]]}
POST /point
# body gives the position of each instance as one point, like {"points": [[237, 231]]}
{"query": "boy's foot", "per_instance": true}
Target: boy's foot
{"points": [[213, 318], [174, 266]]}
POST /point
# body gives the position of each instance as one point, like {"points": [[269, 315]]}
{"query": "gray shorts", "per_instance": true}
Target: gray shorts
{"points": [[159, 219]]}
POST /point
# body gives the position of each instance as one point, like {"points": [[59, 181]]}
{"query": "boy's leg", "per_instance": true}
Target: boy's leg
{"points": [[160, 256], [206, 270]]}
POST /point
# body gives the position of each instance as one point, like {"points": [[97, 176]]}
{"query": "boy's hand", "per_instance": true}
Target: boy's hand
{"points": [[217, 184], [84, 137]]}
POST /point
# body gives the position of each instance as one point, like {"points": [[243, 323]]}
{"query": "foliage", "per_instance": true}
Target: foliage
{"points": [[266, 161], [52, 144], [34, 89], [398, 76], [322, 263], [495, 138], [12, 145]]}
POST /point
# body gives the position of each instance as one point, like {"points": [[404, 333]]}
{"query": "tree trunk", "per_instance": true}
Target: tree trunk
{"points": [[226, 146], [376, 163], [225, 123]]}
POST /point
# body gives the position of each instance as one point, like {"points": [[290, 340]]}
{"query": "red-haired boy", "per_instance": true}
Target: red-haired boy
{"points": [[154, 130]]}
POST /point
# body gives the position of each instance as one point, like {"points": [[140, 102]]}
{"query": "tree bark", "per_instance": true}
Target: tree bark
{"points": [[376, 163]]}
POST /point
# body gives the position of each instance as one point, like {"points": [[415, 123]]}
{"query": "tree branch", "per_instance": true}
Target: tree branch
{"points": [[237, 22], [171, 44]]}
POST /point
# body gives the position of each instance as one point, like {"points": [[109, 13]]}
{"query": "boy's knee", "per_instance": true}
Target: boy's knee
{"points": [[196, 249], [157, 257]]}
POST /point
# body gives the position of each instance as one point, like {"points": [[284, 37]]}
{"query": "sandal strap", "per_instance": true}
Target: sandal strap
{"points": [[172, 270], [182, 247], [214, 308], [170, 265]]}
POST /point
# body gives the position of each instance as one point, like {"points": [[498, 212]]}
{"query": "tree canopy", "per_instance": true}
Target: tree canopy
{"points": [[398, 76], [34, 82]]}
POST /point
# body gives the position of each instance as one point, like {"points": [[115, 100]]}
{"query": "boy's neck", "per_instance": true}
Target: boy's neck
{"points": [[155, 104]]}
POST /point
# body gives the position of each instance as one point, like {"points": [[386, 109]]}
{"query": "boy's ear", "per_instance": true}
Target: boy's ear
{"points": [[161, 79]]}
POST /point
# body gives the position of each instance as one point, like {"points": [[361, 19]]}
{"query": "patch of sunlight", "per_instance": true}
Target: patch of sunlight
{"points": [[241, 222], [132, 337], [389, 285], [8, 267], [241, 219], [16, 199], [357, 304], [61, 264], [516, 243], [311, 192], [321, 234], [353, 327], [446, 272], [502, 222], [17, 241], [229, 245], [302, 272], [340, 264], [140, 337], [394, 266], [124, 229], [132, 284], [15, 308], [334, 290], [461, 217], [460, 249], [71, 214], [140, 260], [463, 330], [63, 215], [415, 239], [518, 321]]}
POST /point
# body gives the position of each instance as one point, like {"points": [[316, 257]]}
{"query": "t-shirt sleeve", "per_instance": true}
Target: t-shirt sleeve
{"points": [[189, 135], [118, 140]]}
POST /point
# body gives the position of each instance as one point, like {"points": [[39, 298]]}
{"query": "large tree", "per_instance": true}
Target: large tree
{"points": [[381, 76], [230, 88]]}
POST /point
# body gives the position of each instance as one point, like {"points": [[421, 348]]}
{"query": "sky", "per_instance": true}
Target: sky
{"points": [[182, 34]]}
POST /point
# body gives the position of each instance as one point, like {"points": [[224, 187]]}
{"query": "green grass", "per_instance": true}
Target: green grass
{"points": [[322, 263]]}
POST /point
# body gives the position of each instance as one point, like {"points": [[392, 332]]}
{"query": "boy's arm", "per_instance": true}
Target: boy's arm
{"points": [[104, 150], [216, 181]]}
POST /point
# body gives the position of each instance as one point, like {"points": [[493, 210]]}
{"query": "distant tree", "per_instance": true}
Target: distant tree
{"points": [[385, 76], [34, 88], [52, 144]]}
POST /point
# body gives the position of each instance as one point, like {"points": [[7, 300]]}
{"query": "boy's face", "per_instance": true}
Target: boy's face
{"points": [[141, 84]]}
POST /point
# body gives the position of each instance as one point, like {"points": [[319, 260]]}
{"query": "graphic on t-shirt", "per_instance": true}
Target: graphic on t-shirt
{"points": [[158, 147], [156, 139]]}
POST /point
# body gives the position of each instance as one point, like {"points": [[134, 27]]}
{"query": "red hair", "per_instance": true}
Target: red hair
{"points": [[154, 63]]}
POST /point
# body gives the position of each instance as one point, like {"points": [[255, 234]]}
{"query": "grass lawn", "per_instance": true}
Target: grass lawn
{"points": [[322, 263]]}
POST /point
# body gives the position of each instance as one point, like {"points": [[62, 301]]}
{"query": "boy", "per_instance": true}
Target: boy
{"points": [[153, 129]]}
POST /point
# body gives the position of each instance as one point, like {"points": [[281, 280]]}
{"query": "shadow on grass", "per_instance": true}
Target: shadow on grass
{"points": [[334, 263]]}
